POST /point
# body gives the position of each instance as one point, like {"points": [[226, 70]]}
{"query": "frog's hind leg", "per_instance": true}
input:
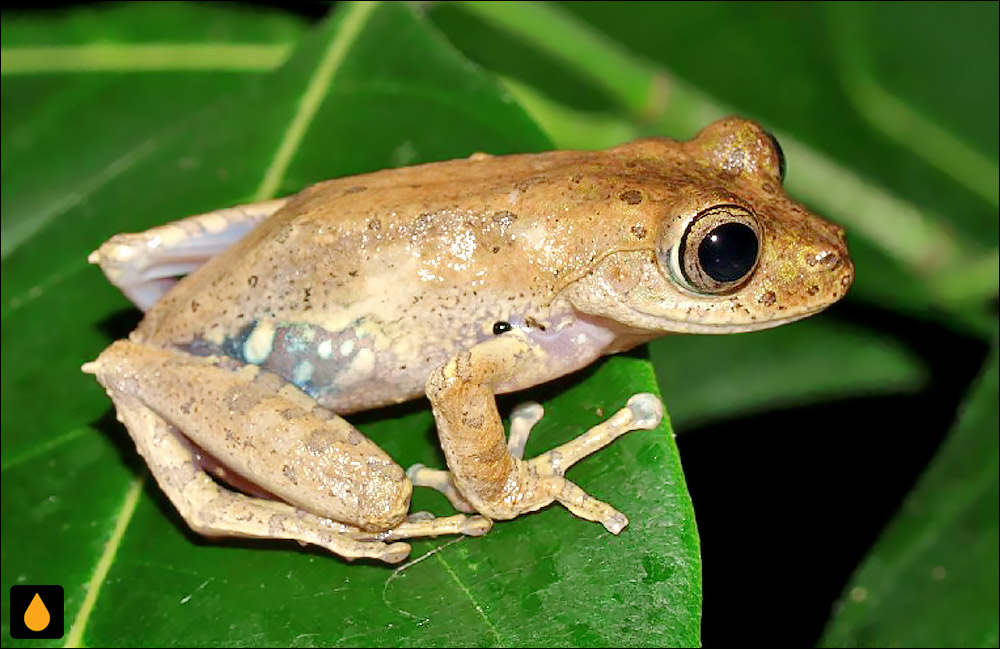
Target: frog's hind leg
{"points": [[146, 264], [341, 491], [190, 489]]}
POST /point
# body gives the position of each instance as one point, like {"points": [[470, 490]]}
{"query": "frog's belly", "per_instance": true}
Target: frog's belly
{"points": [[348, 372], [345, 371]]}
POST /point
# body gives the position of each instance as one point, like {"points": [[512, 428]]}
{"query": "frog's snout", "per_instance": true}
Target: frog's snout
{"points": [[832, 265], [825, 260], [846, 273]]}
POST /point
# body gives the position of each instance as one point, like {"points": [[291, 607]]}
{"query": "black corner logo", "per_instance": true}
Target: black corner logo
{"points": [[36, 612]]}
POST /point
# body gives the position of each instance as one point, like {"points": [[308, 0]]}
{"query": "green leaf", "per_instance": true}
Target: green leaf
{"points": [[66, 92], [372, 87], [931, 579], [820, 359]]}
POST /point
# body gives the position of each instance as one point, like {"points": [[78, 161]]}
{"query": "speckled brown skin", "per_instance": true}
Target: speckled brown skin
{"points": [[377, 288], [430, 257]]}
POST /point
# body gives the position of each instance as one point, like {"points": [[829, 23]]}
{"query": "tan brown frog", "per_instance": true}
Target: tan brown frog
{"points": [[458, 280]]}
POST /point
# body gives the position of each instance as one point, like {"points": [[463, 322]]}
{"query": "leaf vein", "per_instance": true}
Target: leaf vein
{"points": [[20, 232], [45, 447], [475, 604], [75, 634], [319, 84]]}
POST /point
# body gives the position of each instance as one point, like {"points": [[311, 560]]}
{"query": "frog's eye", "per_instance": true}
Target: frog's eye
{"points": [[719, 250]]}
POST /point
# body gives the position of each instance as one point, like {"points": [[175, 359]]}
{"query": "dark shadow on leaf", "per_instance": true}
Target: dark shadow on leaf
{"points": [[115, 431], [310, 11], [120, 324]]}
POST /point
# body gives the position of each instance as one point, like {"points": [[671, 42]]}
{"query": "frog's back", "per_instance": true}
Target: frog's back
{"points": [[388, 274], [463, 231]]}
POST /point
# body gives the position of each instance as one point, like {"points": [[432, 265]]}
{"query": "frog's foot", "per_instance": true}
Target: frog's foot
{"points": [[485, 468], [541, 479], [419, 525], [439, 480], [642, 412], [145, 265], [523, 418], [426, 524]]}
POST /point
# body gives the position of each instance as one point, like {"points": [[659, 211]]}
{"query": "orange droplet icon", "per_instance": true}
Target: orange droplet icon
{"points": [[36, 617]]}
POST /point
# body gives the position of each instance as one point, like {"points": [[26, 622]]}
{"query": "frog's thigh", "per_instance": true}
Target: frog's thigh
{"points": [[263, 428], [483, 468], [146, 264], [212, 510]]}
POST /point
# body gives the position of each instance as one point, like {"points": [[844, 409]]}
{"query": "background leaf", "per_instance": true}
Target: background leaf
{"points": [[932, 575], [372, 87], [800, 443]]}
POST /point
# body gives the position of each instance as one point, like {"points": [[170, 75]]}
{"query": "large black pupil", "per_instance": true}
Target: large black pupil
{"points": [[728, 252]]}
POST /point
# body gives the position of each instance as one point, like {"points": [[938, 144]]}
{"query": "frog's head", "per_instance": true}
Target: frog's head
{"points": [[723, 248]]}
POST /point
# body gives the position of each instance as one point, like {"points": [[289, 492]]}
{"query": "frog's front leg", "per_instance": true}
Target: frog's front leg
{"points": [[495, 481], [340, 490], [146, 264], [522, 419]]}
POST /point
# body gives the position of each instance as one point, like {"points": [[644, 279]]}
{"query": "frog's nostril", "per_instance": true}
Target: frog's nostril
{"points": [[823, 260]]}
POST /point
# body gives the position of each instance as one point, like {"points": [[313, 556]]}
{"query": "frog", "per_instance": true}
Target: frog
{"points": [[266, 324]]}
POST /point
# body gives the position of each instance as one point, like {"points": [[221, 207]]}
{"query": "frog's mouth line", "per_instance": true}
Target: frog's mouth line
{"points": [[680, 326]]}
